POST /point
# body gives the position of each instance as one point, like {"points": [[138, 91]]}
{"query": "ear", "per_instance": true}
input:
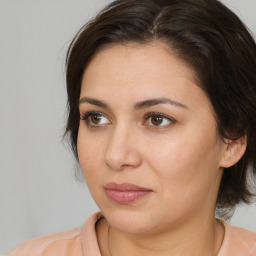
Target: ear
{"points": [[233, 151]]}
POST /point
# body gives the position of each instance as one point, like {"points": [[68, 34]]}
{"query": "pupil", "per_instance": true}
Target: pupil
{"points": [[157, 120]]}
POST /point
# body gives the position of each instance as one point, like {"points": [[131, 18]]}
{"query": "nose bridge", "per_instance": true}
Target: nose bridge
{"points": [[121, 149]]}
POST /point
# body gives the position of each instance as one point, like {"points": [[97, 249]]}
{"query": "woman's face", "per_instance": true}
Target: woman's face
{"points": [[146, 122]]}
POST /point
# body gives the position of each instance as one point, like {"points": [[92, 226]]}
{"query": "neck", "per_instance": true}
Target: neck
{"points": [[190, 240]]}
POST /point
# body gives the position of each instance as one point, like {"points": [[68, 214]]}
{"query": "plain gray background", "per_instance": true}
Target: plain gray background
{"points": [[38, 192]]}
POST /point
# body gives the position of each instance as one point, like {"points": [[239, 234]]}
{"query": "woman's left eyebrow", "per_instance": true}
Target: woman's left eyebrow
{"points": [[157, 101], [139, 105]]}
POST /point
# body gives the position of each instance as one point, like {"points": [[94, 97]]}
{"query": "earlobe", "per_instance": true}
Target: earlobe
{"points": [[233, 152]]}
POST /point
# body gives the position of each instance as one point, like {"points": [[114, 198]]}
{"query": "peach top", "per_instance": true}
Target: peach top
{"points": [[83, 242]]}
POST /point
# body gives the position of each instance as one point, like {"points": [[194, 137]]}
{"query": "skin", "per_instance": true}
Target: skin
{"points": [[181, 160]]}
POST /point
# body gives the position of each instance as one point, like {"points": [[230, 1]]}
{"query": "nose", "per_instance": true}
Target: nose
{"points": [[122, 150]]}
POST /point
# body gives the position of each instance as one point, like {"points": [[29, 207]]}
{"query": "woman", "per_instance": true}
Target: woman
{"points": [[162, 106]]}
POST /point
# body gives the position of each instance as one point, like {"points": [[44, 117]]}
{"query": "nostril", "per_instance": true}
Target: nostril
{"points": [[114, 161], [129, 158]]}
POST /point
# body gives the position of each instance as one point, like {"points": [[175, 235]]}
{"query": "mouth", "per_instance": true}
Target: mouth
{"points": [[126, 192]]}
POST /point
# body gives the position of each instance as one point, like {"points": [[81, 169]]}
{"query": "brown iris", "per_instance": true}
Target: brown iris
{"points": [[96, 118], [156, 120]]}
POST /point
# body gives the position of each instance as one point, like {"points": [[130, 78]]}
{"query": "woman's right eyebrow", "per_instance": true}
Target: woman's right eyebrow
{"points": [[95, 102]]}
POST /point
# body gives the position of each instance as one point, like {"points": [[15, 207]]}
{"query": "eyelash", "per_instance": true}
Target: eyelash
{"points": [[87, 115]]}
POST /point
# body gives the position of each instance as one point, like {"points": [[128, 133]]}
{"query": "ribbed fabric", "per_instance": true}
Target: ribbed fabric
{"points": [[83, 242]]}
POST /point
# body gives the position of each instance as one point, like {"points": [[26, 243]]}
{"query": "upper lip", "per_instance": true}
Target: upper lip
{"points": [[125, 187]]}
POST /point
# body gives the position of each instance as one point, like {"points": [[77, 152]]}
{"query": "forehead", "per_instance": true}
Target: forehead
{"points": [[138, 60], [132, 60], [135, 71]]}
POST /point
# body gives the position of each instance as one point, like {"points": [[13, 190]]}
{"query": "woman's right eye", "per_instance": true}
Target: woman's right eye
{"points": [[95, 119]]}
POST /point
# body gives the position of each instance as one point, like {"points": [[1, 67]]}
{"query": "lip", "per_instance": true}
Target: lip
{"points": [[125, 193]]}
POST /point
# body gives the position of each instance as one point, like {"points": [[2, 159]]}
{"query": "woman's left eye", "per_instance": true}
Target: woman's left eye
{"points": [[158, 120]]}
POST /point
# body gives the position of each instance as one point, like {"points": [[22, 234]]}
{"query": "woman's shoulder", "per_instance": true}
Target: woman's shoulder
{"points": [[62, 244], [75, 242], [238, 241]]}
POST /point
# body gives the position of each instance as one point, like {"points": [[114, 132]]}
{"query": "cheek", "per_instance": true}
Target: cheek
{"points": [[188, 164], [89, 154], [186, 179]]}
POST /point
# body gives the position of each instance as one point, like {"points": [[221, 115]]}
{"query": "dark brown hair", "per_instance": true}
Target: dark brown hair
{"points": [[212, 40]]}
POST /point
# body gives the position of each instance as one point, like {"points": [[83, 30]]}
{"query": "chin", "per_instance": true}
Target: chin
{"points": [[130, 221]]}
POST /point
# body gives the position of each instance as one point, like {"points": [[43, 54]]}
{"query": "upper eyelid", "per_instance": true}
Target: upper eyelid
{"points": [[88, 113], [160, 114], [145, 116]]}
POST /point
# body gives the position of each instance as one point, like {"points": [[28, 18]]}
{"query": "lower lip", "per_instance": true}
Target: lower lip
{"points": [[125, 197]]}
